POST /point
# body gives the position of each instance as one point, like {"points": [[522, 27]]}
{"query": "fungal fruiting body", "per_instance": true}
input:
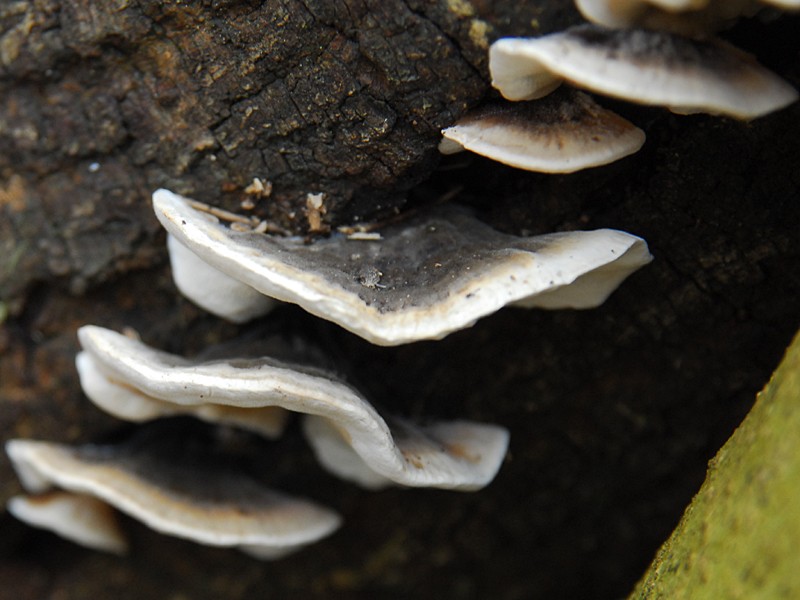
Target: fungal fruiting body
{"points": [[562, 133], [643, 66], [128, 403], [435, 273], [79, 518], [685, 17], [464, 456], [474, 450], [192, 499], [211, 289]]}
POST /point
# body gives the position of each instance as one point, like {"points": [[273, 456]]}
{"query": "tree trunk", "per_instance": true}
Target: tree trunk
{"points": [[613, 412]]}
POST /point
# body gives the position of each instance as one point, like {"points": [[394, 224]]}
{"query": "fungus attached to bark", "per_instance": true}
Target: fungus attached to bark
{"points": [[434, 273], [79, 518], [128, 403], [466, 457], [643, 66], [444, 446], [562, 133], [784, 4], [679, 16], [213, 290], [192, 499]]}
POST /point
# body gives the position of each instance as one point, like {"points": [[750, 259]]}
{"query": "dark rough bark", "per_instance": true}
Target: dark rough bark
{"points": [[103, 102], [613, 412]]}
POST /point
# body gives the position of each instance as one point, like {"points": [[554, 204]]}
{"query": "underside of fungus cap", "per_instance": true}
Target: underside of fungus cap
{"points": [[516, 71], [338, 457], [436, 272], [398, 451], [211, 289], [458, 451], [647, 67], [126, 402], [82, 519], [562, 133], [690, 17], [676, 5], [596, 283], [784, 4], [193, 498]]}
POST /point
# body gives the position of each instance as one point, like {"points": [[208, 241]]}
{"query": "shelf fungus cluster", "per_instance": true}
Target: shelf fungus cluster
{"points": [[565, 132], [693, 17], [71, 490], [427, 276], [127, 378], [568, 131], [424, 277]]}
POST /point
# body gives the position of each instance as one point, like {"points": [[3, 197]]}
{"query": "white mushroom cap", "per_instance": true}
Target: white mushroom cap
{"points": [[676, 5], [517, 72], [444, 446], [784, 4], [679, 16], [76, 517], [648, 67], [209, 506], [561, 133], [436, 273], [211, 289], [337, 456], [595, 283], [412, 456], [125, 402]]}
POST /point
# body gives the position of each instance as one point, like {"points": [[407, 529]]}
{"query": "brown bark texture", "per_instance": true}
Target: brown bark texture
{"points": [[613, 412]]}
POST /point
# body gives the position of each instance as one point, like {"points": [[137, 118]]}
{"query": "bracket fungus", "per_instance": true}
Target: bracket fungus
{"points": [[194, 499], [643, 66], [79, 518], [127, 403], [213, 290], [447, 447], [464, 456], [562, 133], [679, 16], [784, 4], [434, 273]]}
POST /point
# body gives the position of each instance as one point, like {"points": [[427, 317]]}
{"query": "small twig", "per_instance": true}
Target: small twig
{"points": [[240, 222], [225, 215]]}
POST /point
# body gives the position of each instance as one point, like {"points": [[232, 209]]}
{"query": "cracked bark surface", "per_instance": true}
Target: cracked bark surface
{"points": [[613, 412], [102, 103]]}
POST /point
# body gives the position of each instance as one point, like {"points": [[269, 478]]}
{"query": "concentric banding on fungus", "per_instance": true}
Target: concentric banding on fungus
{"points": [[436, 272], [647, 67], [197, 501], [563, 132], [127, 403], [78, 518], [784, 4], [431, 446], [688, 17], [422, 456]]}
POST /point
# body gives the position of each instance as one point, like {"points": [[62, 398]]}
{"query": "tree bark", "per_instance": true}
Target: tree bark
{"points": [[102, 103], [613, 412]]}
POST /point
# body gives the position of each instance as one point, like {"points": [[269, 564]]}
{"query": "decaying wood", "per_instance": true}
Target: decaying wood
{"points": [[103, 102], [613, 412]]}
